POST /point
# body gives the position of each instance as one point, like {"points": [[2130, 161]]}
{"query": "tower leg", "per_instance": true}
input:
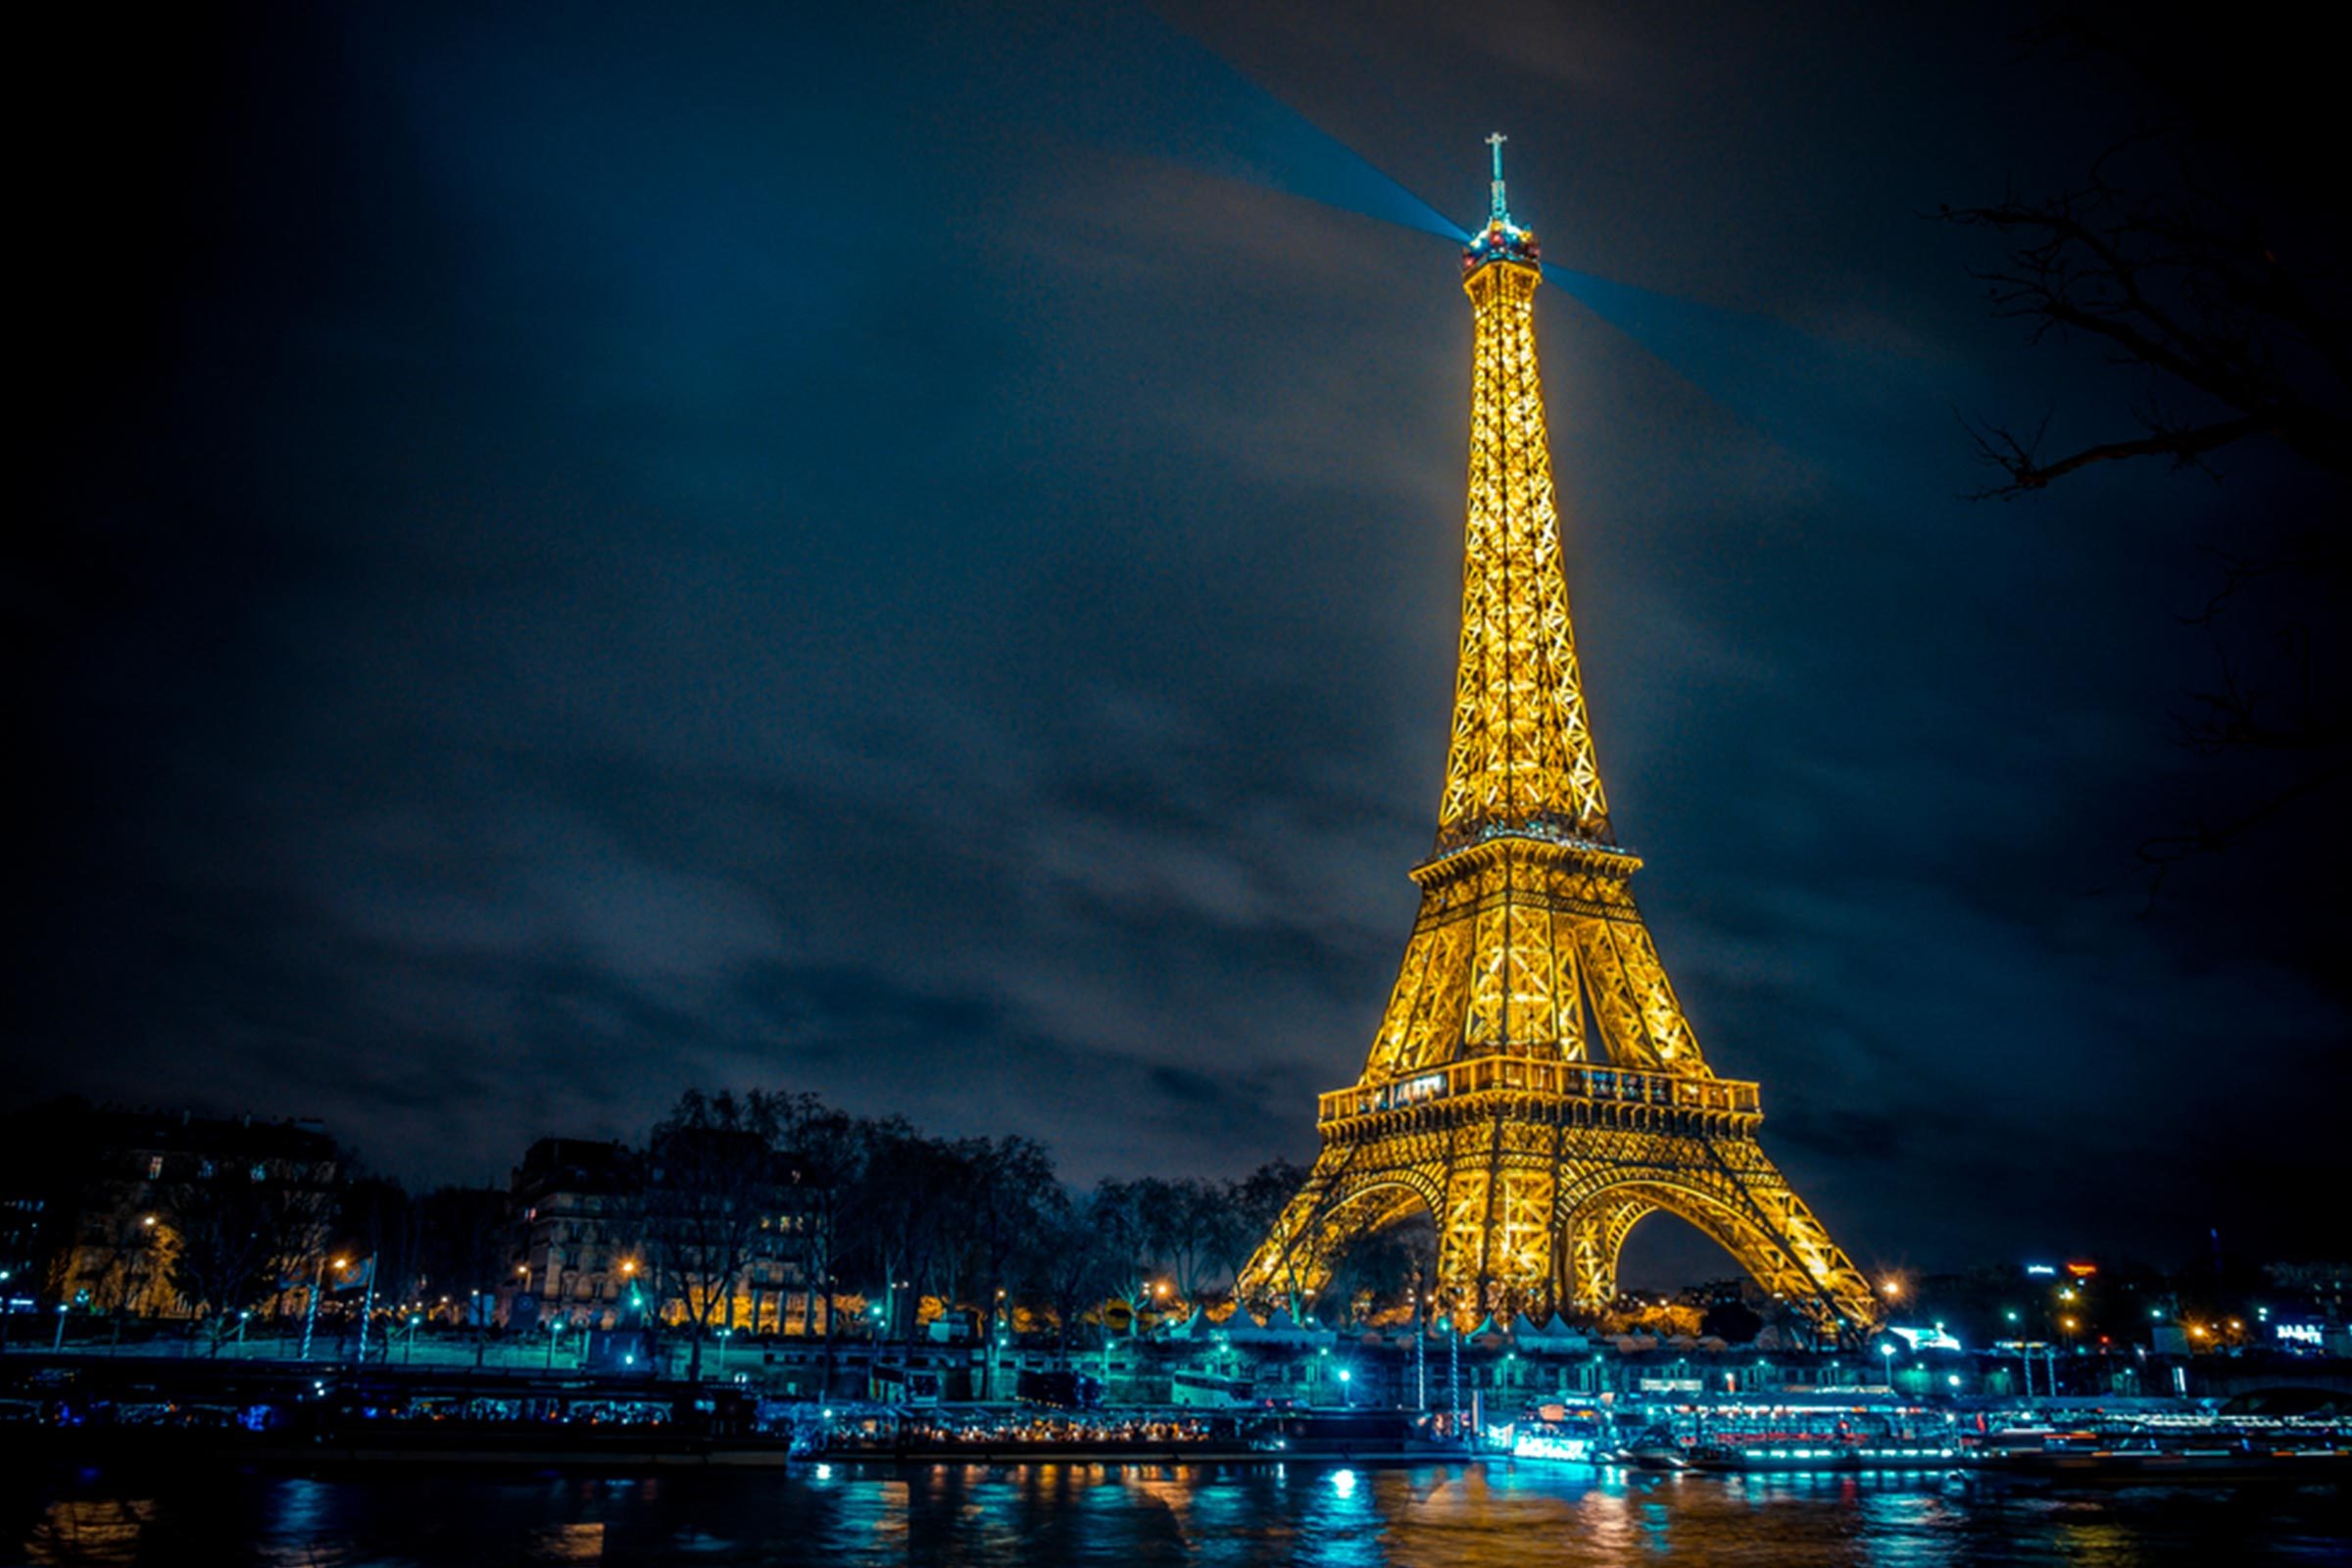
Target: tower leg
{"points": [[1338, 1203], [1495, 1236], [1593, 1241], [1462, 1244], [1295, 1261], [1730, 1192]]}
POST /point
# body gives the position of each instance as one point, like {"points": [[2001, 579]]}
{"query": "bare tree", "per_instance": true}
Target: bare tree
{"points": [[1130, 1221], [2207, 270], [462, 1251], [711, 1178], [1192, 1232], [1251, 1207], [236, 1235], [1263, 1197], [1007, 1208], [1072, 1269], [1378, 1270]]}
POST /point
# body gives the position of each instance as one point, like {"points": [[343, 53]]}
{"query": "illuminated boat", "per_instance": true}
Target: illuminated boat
{"points": [[1801, 1438], [1563, 1434], [2156, 1452]]}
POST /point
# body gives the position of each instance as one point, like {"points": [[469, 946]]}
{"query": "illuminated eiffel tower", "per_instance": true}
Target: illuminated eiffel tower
{"points": [[1535, 1084]]}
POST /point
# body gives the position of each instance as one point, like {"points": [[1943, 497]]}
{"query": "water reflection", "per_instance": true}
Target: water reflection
{"points": [[1136, 1516]]}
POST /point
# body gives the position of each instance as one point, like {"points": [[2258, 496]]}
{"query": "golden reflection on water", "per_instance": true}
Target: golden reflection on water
{"points": [[574, 1542], [76, 1530]]}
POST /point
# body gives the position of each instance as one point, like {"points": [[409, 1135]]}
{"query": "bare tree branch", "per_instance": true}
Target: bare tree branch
{"points": [[2221, 294]]}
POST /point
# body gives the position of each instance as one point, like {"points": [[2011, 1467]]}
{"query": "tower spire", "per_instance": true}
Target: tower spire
{"points": [[1521, 760]]}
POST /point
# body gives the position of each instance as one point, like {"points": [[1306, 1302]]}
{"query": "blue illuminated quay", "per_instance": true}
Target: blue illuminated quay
{"points": [[1278, 1453]]}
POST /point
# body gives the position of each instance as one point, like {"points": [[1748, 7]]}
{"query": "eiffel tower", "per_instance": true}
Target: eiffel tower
{"points": [[1535, 1084]]}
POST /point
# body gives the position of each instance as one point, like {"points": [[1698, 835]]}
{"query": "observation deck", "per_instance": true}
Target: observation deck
{"points": [[1501, 240], [1563, 1081]]}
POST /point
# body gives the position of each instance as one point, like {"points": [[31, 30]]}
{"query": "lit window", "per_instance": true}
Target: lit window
{"points": [[155, 1168]]}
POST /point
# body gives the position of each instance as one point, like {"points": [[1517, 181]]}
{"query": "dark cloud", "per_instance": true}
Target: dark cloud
{"points": [[916, 557]]}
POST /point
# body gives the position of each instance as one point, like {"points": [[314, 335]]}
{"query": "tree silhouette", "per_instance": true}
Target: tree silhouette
{"points": [[712, 1176], [2204, 266]]}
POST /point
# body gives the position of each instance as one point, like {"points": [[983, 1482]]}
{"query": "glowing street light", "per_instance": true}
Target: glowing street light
{"points": [[310, 1309]]}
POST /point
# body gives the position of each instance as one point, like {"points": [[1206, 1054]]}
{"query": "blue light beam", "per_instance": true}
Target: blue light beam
{"points": [[1156, 90]]}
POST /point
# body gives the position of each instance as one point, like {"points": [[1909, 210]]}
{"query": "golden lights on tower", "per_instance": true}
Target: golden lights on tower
{"points": [[1534, 1082]]}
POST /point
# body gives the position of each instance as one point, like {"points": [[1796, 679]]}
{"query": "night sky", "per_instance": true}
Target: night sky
{"points": [[914, 553]]}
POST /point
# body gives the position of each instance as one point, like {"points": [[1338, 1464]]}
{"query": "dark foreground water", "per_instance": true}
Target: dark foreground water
{"points": [[1047, 1516]]}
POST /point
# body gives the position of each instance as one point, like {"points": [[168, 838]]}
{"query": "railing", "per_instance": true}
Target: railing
{"points": [[1566, 1080]]}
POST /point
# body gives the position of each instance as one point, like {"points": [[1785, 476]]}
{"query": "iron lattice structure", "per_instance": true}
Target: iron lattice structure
{"points": [[1535, 1084]]}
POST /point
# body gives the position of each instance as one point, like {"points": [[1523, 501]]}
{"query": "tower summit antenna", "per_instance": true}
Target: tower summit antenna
{"points": [[1499, 239]]}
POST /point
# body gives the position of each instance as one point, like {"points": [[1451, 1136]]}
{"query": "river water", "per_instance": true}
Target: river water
{"points": [[1135, 1516]]}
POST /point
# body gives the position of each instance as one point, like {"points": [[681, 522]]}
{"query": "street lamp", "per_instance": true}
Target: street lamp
{"points": [[1886, 1349], [995, 1342], [310, 1309], [1346, 1385]]}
